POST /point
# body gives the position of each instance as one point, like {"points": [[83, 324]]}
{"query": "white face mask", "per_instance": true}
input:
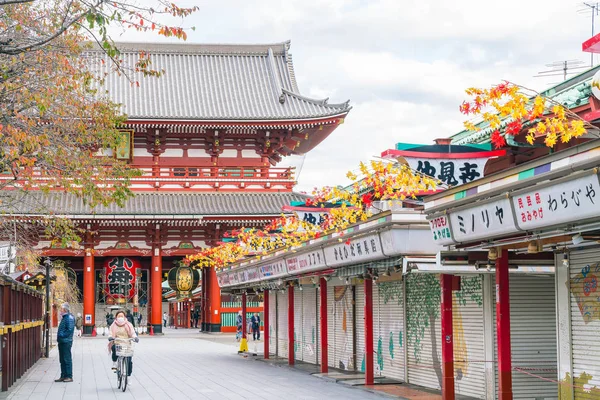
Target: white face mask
{"points": [[121, 320]]}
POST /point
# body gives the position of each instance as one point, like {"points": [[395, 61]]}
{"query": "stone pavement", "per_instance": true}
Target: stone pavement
{"points": [[179, 365]]}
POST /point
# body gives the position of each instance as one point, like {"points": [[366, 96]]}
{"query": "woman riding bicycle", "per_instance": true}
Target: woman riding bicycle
{"points": [[120, 329]]}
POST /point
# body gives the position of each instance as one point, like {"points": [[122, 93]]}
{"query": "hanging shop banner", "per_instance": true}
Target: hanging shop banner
{"points": [[569, 201], [306, 262], [354, 251], [119, 273], [483, 221]]}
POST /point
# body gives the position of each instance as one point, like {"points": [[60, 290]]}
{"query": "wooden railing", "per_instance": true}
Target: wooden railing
{"points": [[21, 322]]}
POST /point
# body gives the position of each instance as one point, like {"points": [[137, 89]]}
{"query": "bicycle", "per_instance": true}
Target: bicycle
{"points": [[124, 350]]}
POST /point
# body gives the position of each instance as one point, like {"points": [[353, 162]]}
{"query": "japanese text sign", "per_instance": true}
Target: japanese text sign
{"points": [[362, 249], [440, 228], [306, 262], [272, 270], [451, 172], [565, 202], [483, 221]]}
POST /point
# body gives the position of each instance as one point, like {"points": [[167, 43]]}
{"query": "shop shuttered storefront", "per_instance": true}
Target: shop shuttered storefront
{"points": [[533, 337], [585, 323], [272, 322], [282, 324], [309, 325], [388, 330], [298, 310], [340, 321], [423, 333], [360, 327]]}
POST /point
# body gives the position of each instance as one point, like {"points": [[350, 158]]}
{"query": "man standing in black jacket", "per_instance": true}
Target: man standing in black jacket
{"points": [[64, 338]]}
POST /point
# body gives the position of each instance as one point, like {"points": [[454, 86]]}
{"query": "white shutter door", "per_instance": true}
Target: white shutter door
{"points": [[272, 322], [309, 325], [585, 323], [298, 310], [532, 336], [282, 324], [390, 336], [468, 330], [342, 327], [360, 327], [423, 330], [330, 327]]}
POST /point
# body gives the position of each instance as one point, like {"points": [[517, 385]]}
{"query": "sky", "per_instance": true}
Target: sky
{"points": [[404, 65]]}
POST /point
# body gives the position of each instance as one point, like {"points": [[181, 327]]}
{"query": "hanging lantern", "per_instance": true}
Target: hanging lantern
{"points": [[119, 275], [183, 280]]}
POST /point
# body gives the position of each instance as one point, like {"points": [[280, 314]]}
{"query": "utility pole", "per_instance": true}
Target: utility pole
{"points": [[48, 264], [594, 9]]}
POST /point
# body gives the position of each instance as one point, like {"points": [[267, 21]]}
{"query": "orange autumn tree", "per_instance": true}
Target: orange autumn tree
{"points": [[53, 116], [381, 181], [520, 108]]}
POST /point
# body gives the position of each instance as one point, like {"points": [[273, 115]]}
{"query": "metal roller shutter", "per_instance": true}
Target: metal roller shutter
{"points": [[330, 327], [309, 325], [389, 335], [343, 320], [585, 323], [423, 330], [360, 327], [532, 336], [468, 328], [272, 322], [298, 310], [282, 324]]}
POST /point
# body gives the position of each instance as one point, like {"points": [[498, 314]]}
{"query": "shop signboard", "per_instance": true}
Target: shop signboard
{"points": [[440, 229], [353, 251], [565, 202], [483, 221], [306, 262], [272, 270]]}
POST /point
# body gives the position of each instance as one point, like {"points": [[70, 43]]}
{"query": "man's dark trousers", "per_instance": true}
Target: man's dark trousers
{"points": [[66, 361]]}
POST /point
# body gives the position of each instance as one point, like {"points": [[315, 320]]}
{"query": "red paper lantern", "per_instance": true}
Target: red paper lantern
{"points": [[119, 276]]}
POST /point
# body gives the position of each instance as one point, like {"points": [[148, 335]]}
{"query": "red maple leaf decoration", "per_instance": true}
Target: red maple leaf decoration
{"points": [[498, 140], [367, 199], [348, 242], [513, 128]]}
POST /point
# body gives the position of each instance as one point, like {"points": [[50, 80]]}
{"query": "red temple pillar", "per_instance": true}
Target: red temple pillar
{"points": [[266, 331], [369, 376], [214, 302], [291, 341], [156, 284], [447, 339], [89, 292], [323, 321], [503, 327], [244, 322]]}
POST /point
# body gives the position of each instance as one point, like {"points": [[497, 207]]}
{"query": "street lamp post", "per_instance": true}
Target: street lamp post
{"points": [[48, 264]]}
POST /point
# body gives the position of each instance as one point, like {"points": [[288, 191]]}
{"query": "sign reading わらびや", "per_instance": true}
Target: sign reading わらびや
{"points": [[564, 202]]}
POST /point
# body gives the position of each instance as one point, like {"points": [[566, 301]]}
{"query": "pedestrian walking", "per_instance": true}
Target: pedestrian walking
{"points": [[196, 317], [255, 320], [165, 320], [130, 318], [239, 324], [139, 319], [64, 338], [79, 324]]}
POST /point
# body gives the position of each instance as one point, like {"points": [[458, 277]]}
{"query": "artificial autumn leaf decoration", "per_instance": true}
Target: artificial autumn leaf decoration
{"points": [[522, 109]]}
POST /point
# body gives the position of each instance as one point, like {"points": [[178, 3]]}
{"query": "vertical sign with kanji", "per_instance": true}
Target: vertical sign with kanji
{"points": [[483, 221], [565, 202]]}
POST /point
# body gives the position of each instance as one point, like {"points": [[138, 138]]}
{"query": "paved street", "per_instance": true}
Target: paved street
{"points": [[179, 365]]}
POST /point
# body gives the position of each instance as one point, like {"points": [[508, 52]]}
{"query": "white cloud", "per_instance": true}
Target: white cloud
{"points": [[403, 64]]}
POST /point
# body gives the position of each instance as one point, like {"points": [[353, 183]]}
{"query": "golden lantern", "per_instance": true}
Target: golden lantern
{"points": [[183, 280]]}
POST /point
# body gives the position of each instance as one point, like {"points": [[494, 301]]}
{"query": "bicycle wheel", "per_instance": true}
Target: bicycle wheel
{"points": [[125, 372], [119, 372]]}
